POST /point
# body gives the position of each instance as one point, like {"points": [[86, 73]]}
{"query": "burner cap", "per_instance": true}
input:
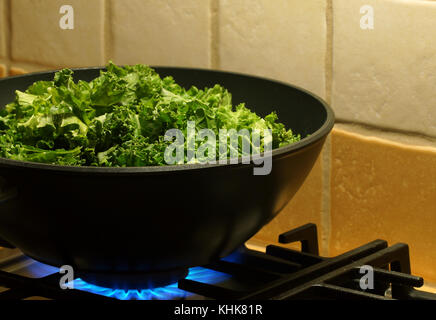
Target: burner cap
{"points": [[134, 280]]}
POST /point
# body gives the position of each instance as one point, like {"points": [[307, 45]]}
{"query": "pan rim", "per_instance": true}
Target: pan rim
{"points": [[319, 134]]}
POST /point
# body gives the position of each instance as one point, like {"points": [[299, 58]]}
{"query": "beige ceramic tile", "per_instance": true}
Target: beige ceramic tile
{"points": [[2, 70], [285, 40], [37, 35], [385, 76], [384, 190], [161, 32], [304, 208], [3, 28]]}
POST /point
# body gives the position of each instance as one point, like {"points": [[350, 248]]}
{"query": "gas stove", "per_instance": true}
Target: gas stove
{"points": [[374, 271]]}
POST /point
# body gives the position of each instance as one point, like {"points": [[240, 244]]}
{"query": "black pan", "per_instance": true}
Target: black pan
{"points": [[130, 221]]}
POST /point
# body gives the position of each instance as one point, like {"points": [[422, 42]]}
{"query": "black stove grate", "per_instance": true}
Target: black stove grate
{"points": [[278, 274]]}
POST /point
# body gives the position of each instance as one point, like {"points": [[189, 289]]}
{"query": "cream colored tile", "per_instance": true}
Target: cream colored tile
{"points": [[304, 207], [384, 190], [37, 36], [161, 32], [3, 29], [285, 40], [386, 76]]}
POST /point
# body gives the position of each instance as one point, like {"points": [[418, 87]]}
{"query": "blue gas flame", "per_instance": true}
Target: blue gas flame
{"points": [[37, 269], [169, 292]]}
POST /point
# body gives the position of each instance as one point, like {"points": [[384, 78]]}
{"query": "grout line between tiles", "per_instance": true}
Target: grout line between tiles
{"points": [[107, 31], [326, 153], [7, 14], [329, 51], [25, 64], [214, 34], [382, 131], [326, 197]]}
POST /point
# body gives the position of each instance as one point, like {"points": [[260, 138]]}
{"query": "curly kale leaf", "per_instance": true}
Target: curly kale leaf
{"points": [[118, 119]]}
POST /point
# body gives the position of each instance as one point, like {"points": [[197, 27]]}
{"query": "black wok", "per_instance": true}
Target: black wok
{"points": [[153, 219]]}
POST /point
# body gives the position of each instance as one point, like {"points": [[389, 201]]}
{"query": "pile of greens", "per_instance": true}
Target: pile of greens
{"points": [[117, 119]]}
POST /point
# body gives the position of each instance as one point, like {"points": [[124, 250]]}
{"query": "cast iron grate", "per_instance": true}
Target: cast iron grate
{"points": [[278, 274]]}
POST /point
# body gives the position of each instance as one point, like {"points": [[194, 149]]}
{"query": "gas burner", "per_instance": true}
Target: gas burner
{"points": [[278, 274], [134, 280], [169, 292]]}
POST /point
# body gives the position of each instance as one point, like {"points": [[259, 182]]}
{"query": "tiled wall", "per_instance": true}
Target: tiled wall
{"points": [[376, 177]]}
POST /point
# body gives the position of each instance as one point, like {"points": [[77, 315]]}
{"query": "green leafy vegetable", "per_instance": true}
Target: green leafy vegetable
{"points": [[118, 119]]}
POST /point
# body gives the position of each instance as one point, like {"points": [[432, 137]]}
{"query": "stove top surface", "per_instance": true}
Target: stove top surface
{"points": [[373, 271]]}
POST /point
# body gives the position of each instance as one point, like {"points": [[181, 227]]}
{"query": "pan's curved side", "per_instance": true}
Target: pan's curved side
{"points": [[157, 222]]}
